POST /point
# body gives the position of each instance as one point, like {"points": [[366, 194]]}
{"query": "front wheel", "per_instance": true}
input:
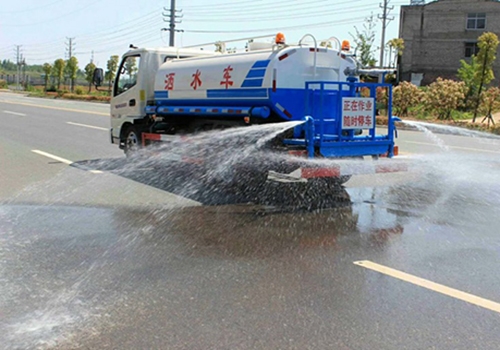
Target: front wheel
{"points": [[133, 140]]}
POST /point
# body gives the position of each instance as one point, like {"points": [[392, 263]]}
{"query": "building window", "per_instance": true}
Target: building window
{"points": [[471, 49], [476, 21]]}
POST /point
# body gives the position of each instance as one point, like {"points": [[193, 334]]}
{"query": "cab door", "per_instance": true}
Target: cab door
{"points": [[126, 104]]}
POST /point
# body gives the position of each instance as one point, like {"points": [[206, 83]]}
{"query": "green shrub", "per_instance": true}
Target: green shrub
{"points": [[490, 101], [3, 84], [405, 96], [495, 129], [86, 97], [444, 96], [29, 88], [79, 90]]}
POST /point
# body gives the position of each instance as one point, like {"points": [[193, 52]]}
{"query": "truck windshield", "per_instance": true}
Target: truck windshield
{"points": [[127, 74]]}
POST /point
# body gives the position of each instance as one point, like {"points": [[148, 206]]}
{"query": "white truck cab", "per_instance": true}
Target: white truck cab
{"points": [[134, 87]]}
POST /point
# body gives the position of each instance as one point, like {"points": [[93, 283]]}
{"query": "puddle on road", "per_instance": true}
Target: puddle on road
{"points": [[65, 268], [62, 267]]}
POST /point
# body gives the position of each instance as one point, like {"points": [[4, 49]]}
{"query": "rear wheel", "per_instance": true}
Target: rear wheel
{"points": [[133, 140]]}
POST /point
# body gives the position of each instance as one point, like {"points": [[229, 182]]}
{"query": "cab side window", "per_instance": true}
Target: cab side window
{"points": [[127, 74]]}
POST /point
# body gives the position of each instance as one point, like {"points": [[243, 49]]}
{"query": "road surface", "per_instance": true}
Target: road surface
{"points": [[100, 253]]}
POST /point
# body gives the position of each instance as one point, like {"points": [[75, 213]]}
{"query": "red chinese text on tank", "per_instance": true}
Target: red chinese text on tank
{"points": [[169, 81], [196, 80], [227, 77]]}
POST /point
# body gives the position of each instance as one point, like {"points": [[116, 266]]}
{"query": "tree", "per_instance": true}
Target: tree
{"points": [[58, 71], [466, 74], [89, 74], [111, 68], [396, 45], [9, 66], [72, 70], [364, 42], [131, 66], [47, 69], [488, 44], [490, 102]]}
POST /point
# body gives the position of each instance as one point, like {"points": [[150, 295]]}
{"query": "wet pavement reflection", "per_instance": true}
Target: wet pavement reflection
{"points": [[246, 275], [153, 253]]}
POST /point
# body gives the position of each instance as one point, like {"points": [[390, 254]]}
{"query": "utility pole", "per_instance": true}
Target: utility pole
{"points": [[385, 21], [172, 19], [23, 71], [70, 47], [18, 63], [70, 44]]}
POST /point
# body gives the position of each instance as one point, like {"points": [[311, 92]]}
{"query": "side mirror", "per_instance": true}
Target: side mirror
{"points": [[98, 77]]}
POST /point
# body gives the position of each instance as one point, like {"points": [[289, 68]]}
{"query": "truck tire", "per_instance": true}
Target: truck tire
{"points": [[133, 140]]}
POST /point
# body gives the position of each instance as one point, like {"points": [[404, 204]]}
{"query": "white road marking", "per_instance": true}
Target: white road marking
{"points": [[88, 126], [436, 287], [58, 108], [457, 147], [62, 160], [15, 113], [48, 155]]}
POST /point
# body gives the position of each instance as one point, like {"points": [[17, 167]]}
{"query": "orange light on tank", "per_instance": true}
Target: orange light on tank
{"points": [[346, 45], [280, 38]]}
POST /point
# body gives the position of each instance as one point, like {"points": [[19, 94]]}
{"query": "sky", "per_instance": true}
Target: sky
{"points": [[101, 28]]}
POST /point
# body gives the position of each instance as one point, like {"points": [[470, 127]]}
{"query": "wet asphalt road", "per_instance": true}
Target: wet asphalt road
{"points": [[125, 260]]}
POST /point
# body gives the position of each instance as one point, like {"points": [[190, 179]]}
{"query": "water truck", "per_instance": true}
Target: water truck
{"points": [[161, 94]]}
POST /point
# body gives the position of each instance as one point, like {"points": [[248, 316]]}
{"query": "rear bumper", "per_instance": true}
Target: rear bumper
{"points": [[340, 170]]}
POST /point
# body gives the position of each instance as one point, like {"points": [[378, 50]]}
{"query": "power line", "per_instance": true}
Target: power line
{"points": [[258, 9], [288, 17], [141, 29], [257, 12], [33, 8], [141, 38], [226, 4], [309, 25], [125, 40], [52, 19], [146, 17], [121, 35]]}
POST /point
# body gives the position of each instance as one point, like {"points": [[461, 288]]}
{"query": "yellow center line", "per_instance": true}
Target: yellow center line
{"points": [[58, 108], [436, 287]]}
